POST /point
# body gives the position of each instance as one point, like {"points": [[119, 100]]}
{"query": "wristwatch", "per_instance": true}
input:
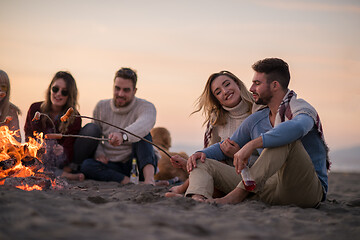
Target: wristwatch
{"points": [[125, 137]]}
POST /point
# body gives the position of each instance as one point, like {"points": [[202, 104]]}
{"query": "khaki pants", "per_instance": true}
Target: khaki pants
{"points": [[283, 175]]}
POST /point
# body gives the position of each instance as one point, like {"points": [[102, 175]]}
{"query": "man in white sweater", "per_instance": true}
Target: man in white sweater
{"points": [[112, 160]]}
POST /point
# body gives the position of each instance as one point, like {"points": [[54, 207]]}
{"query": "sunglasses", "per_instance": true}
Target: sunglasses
{"points": [[3, 88], [55, 89]]}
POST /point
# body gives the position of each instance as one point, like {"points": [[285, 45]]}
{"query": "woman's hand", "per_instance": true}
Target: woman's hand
{"points": [[58, 149], [229, 147], [191, 162], [178, 162]]}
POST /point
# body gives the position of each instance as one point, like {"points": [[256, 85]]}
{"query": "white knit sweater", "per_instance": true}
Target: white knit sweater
{"points": [[138, 117], [235, 117]]}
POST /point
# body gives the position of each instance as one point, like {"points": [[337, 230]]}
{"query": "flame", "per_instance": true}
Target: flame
{"points": [[12, 153], [26, 187]]}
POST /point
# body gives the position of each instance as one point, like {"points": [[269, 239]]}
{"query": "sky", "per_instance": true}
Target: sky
{"points": [[176, 45]]}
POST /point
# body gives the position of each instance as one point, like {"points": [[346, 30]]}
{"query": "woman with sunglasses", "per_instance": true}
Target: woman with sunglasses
{"points": [[226, 103], [61, 94], [8, 111]]}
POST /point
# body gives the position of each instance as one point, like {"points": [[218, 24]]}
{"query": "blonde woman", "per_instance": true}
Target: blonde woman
{"points": [[7, 109], [225, 103]]}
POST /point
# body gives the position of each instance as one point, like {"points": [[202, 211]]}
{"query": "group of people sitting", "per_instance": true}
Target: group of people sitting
{"points": [[268, 129]]}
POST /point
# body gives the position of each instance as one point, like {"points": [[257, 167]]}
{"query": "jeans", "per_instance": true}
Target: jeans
{"points": [[116, 171], [85, 148]]}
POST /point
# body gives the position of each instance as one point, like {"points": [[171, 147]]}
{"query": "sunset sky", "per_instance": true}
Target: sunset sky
{"points": [[176, 45]]}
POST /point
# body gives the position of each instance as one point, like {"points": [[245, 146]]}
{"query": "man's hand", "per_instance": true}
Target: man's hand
{"points": [[241, 157], [102, 158], [191, 162], [229, 147], [115, 139]]}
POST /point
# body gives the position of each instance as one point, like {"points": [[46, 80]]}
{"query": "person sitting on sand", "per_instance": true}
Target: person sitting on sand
{"points": [[7, 109], [226, 103], [60, 95], [113, 158], [293, 162]]}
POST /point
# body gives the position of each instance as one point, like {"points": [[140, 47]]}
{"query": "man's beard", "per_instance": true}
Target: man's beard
{"points": [[123, 104], [264, 100]]}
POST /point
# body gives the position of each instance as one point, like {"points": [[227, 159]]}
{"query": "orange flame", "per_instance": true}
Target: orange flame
{"points": [[13, 151], [26, 187]]}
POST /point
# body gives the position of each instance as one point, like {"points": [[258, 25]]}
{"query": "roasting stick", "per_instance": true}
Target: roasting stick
{"points": [[38, 115], [6, 120], [59, 136], [69, 112]]}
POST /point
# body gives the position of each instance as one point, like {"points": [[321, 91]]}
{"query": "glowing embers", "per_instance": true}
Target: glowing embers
{"points": [[21, 165]]}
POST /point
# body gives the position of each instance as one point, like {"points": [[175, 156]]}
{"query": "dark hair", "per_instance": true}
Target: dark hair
{"points": [[275, 69], [127, 73], [71, 101]]}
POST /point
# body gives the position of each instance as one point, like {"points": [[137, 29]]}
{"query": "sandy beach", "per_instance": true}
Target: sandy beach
{"points": [[107, 210]]}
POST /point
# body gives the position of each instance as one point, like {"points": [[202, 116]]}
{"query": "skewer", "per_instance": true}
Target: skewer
{"points": [[68, 113], [6, 120], [59, 136], [38, 115]]}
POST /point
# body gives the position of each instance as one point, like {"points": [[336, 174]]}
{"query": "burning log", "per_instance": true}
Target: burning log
{"points": [[29, 161], [27, 183], [21, 165], [8, 163]]}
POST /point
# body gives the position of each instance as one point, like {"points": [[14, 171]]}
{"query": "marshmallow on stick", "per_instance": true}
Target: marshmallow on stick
{"points": [[7, 120], [66, 116]]}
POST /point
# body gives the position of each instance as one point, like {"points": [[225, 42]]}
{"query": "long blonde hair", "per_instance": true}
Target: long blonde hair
{"points": [[211, 107], [46, 106], [5, 103]]}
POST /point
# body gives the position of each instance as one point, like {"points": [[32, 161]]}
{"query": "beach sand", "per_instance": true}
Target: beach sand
{"points": [[107, 210]]}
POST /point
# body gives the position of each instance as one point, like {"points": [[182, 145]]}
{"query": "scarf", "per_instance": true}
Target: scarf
{"points": [[291, 106], [207, 135]]}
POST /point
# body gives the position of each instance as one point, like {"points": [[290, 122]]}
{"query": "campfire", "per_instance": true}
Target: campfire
{"points": [[21, 165]]}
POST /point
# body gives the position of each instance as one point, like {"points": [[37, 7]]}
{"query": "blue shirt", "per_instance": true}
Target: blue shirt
{"points": [[301, 127]]}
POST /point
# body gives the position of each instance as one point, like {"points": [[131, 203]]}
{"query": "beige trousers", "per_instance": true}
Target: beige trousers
{"points": [[283, 175]]}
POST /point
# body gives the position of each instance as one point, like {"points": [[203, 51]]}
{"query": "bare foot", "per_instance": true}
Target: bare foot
{"points": [[198, 198], [162, 183], [171, 194], [81, 177], [235, 196], [126, 180], [150, 181], [177, 189], [73, 176], [181, 188]]}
